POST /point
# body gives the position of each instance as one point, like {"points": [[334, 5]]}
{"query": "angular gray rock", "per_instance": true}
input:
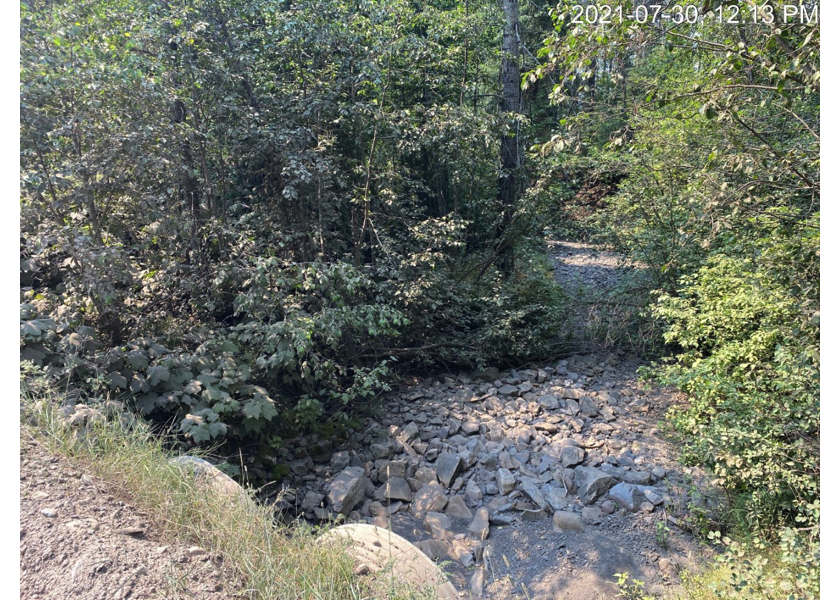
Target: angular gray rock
{"points": [[501, 520], [348, 489], [473, 493], [499, 504], [434, 549], [536, 514], [438, 524], [506, 481], [571, 456], [447, 467], [430, 497], [396, 488], [340, 460], [591, 484], [627, 495], [393, 468], [505, 461], [636, 477], [470, 427], [480, 526], [573, 393], [651, 496], [425, 475], [477, 583], [588, 408], [375, 508], [463, 554], [408, 432], [567, 478], [533, 492], [508, 390], [493, 404], [591, 514], [457, 508], [555, 497], [489, 461]]}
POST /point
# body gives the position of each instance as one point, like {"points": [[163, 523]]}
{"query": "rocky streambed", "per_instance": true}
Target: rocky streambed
{"points": [[537, 483]]}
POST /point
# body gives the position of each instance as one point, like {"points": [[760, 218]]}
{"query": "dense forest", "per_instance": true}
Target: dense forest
{"points": [[248, 218]]}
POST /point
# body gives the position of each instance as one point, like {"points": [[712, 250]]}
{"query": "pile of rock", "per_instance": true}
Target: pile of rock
{"points": [[472, 452]]}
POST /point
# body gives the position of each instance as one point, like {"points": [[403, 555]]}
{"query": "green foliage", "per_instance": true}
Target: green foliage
{"points": [[525, 316], [207, 390], [252, 211], [712, 131], [632, 589], [749, 331], [304, 328], [756, 572], [662, 534], [715, 130]]}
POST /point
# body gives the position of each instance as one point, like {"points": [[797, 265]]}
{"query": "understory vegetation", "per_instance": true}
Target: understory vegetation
{"points": [[246, 219], [244, 214]]}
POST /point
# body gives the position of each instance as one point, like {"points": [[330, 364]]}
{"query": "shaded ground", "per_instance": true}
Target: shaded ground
{"points": [[79, 538], [587, 271]]}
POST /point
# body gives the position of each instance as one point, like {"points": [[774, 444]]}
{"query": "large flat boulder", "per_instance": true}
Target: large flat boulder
{"points": [[380, 549]]}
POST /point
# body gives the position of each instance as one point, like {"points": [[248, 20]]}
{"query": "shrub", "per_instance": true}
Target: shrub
{"points": [[748, 330], [309, 341], [754, 571]]}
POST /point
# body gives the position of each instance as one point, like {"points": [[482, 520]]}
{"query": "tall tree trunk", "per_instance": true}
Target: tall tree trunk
{"points": [[510, 156], [189, 183]]}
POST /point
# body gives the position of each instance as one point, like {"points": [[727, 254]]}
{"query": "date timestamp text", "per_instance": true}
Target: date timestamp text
{"points": [[604, 14]]}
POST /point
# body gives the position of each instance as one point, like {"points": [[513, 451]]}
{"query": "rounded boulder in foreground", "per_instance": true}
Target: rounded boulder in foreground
{"points": [[210, 475], [379, 549]]}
